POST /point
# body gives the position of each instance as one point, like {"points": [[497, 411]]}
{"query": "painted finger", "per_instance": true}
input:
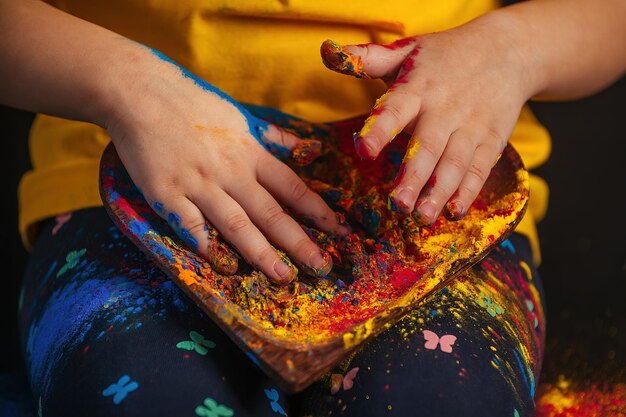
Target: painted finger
{"points": [[286, 145], [368, 60], [281, 229], [449, 172], [473, 181], [188, 222], [236, 227], [289, 189], [423, 152], [390, 115]]}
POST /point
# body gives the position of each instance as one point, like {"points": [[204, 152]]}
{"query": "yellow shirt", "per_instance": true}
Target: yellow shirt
{"points": [[263, 52]]}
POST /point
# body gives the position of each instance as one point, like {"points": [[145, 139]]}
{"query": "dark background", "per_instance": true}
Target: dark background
{"points": [[583, 236]]}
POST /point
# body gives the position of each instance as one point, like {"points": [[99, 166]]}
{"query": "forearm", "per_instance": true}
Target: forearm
{"points": [[571, 48], [55, 63]]}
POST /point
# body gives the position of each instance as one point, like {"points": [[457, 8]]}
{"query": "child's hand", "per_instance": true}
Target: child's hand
{"points": [[197, 155], [458, 93]]}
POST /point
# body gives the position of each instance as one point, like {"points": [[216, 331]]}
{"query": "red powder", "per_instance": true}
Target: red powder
{"points": [[403, 279], [431, 182], [401, 172], [480, 204], [400, 43]]}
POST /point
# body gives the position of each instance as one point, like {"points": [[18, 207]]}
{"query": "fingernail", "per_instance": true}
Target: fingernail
{"points": [[223, 260], [306, 151], [364, 148], [426, 212], [455, 210], [283, 271], [338, 58], [403, 200], [321, 263]]}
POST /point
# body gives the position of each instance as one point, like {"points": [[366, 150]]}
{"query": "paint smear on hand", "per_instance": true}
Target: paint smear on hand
{"points": [[306, 151], [339, 59]]}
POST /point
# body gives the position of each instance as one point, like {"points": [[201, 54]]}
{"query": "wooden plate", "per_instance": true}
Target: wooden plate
{"points": [[296, 355]]}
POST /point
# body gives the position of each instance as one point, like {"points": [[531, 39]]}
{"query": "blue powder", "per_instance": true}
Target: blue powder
{"points": [[138, 228], [63, 325], [188, 238], [174, 220], [159, 207]]}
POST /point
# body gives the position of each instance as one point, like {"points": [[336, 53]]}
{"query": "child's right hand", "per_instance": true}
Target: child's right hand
{"points": [[197, 155]]}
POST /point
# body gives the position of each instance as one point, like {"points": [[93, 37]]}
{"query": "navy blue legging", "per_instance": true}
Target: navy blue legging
{"points": [[106, 333]]}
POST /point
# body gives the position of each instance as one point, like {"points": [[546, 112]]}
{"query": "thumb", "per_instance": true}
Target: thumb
{"points": [[369, 60]]}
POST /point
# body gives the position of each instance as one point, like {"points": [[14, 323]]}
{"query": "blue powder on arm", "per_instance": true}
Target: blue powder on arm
{"points": [[257, 127]]}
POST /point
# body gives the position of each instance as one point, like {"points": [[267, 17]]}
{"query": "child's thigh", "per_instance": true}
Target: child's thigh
{"points": [[473, 349], [106, 333]]}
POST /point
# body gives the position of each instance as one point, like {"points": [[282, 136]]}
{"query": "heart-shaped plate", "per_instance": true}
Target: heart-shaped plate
{"points": [[386, 267]]}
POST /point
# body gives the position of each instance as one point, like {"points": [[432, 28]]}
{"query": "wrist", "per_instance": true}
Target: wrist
{"points": [[124, 83], [510, 32]]}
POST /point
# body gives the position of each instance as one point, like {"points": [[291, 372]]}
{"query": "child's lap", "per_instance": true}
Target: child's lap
{"points": [[105, 332]]}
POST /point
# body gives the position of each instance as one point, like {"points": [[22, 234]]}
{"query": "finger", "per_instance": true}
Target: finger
{"points": [[423, 152], [484, 159], [286, 145], [190, 225], [237, 228], [449, 172], [415, 172], [281, 229], [290, 190], [368, 60], [390, 115]]}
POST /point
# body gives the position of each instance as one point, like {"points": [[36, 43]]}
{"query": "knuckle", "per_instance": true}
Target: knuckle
{"points": [[303, 246], [205, 172], [394, 113], [442, 191], [458, 162], [195, 227], [299, 190], [414, 177], [496, 140], [479, 172], [273, 214], [429, 146], [237, 222], [164, 193], [467, 190], [264, 254]]}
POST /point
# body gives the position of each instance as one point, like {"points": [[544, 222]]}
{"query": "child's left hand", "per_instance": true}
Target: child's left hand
{"points": [[458, 93]]}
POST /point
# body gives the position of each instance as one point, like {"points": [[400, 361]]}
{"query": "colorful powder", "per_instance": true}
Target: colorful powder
{"points": [[382, 263], [565, 399], [306, 152], [338, 58]]}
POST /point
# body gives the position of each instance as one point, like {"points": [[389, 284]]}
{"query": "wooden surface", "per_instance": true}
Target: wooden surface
{"points": [[293, 364]]}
